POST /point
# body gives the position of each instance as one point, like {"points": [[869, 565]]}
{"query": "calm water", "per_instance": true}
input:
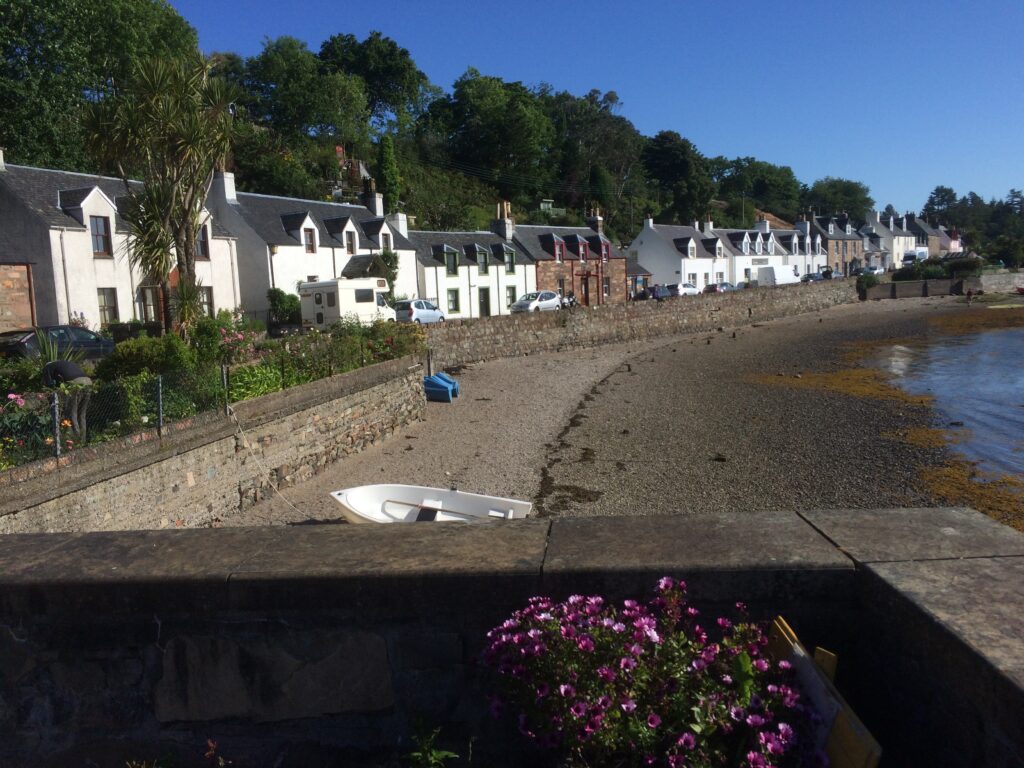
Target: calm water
{"points": [[977, 380]]}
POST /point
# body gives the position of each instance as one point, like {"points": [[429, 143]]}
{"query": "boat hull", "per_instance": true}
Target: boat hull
{"points": [[392, 503]]}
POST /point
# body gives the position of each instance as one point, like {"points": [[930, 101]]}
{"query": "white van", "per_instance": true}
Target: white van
{"points": [[767, 276], [325, 302]]}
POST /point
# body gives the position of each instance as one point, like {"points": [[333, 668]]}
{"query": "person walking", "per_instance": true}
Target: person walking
{"points": [[60, 372]]}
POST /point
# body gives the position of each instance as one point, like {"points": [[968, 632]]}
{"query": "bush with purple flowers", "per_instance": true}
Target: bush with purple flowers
{"points": [[647, 684]]}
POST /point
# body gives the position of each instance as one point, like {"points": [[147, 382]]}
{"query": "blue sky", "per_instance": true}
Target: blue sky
{"points": [[901, 95]]}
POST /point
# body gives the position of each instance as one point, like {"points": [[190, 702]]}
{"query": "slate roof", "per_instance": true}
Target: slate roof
{"points": [[636, 269], [678, 235], [430, 246], [820, 223], [51, 195], [537, 241], [784, 237], [363, 266], [270, 216]]}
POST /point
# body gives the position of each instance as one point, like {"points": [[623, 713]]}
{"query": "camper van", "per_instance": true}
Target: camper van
{"points": [[325, 302], [777, 276]]}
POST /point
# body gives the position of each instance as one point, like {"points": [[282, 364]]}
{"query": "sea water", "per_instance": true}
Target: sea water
{"points": [[977, 383]]}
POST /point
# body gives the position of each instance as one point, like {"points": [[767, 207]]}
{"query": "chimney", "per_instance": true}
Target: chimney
{"points": [[804, 227], [763, 225], [595, 221], [2, 166], [373, 199], [696, 225], [503, 224], [223, 187], [649, 220], [400, 222], [709, 225]]}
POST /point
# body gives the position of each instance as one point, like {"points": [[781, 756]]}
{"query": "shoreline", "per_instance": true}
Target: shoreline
{"points": [[679, 425]]}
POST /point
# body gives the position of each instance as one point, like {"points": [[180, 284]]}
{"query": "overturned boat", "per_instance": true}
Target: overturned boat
{"points": [[390, 503]]}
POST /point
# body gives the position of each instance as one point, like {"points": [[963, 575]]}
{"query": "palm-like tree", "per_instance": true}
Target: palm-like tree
{"points": [[171, 126]]}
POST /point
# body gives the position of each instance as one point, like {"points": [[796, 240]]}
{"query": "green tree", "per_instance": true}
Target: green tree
{"points": [[680, 172], [835, 195], [890, 210], [389, 181], [171, 125], [768, 187], [57, 55], [395, 87], [390, 259], [940, 202]]}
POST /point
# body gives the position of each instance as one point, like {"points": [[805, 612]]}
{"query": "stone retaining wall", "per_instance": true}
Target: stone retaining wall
{"points": [[467, 341], [203, 469]]}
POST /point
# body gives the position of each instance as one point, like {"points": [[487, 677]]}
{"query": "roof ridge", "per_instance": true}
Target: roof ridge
{"points": [[72, 173], [302, 200]]}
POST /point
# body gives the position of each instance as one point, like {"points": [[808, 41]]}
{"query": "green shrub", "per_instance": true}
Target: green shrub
{"points": [[909, 272], [960, 268], [163, 355], [933, 272], [866, 281], [21, 375], [254, 380], [285, 308], [206, 338]]}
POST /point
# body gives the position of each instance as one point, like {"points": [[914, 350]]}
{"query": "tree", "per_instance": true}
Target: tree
{"points": [[389, 182], [390, 259], [679, 170], [769, 187], [171, 125], [835, 195], [56, 55], [395, 87], [890, 210], [939, 202]]}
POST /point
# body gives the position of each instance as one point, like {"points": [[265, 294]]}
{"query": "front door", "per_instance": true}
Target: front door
{"points": [[585, 287], [485, 302]]}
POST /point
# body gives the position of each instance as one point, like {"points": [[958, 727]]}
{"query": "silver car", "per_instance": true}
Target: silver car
{"points": [[682, 289], [417, 311], [538, 301]]}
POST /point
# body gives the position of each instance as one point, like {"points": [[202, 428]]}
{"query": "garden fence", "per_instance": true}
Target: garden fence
{"points": [[39, 425]]}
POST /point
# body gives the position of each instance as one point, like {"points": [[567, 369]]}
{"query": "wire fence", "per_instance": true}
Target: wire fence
{"points": [[35, 426]]}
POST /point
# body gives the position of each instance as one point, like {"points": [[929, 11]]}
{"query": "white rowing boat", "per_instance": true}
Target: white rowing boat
{"points": [[414, 503]]}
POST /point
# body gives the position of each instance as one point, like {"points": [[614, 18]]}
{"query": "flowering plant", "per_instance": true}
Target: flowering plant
{"points": [[25, 429], [236, 345], [647, 685]]}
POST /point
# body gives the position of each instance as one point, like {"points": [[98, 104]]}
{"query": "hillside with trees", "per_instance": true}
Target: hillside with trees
{"points": [[308, 121]]}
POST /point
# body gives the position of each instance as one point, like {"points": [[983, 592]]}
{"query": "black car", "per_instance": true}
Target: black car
{"points": [[23, 343]]}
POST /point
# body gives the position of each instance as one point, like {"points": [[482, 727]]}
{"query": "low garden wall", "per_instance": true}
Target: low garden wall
{"points": [[329, 644], [202, 470], [467, 341]]}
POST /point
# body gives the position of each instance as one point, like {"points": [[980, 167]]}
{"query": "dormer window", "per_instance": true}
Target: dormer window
{"points": [[746, 246], [451, 260], [771, 247], [718, 250], [510, 262], [583, 251], [350, 243], [385, 241], [99, 226], [203, 244], [831, 228], [692, 251], [606, 252], [481, 261], [848, 230], [559, 252], [309, 239]]}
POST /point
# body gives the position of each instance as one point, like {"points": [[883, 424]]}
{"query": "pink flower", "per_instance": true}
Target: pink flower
{"points": [[628, 705], [687, 741], [566, 690], [665, 584], [653, 721], [605, 673]]}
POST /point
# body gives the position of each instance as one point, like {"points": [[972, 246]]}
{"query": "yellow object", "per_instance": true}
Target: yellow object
{"points": [[843, 736]]}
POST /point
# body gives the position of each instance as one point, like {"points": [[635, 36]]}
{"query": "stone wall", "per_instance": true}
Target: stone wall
{"points": [[205, 469], [15, 297], [459, 342], [300, 646]]}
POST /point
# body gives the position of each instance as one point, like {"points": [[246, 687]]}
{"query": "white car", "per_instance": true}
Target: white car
{"points": [[682, 289], [874, 270], [417, 311], [537, 301]]}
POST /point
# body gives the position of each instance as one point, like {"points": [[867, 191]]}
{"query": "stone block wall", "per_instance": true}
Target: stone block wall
{"points": [[15, 297], [459, 342], [206, 469]]}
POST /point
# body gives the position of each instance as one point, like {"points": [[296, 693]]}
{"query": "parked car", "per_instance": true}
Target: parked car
{"points": [[812, 277], [417, 311], [874, 269], [538, 301], [23, 343], [682, 289], [658, 292], [719, 287]]}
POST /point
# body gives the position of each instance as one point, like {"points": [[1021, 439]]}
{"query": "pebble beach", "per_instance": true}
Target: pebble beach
{"points": [[684, 425]]}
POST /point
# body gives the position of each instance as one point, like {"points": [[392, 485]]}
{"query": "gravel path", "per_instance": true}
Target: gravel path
{"points": [[680, 425]]}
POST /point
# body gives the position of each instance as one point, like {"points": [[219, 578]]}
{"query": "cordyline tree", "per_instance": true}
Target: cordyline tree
{"points": [[170, 126]]}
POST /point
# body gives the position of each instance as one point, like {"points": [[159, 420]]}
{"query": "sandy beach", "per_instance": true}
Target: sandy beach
{"points": [[680, 425]]}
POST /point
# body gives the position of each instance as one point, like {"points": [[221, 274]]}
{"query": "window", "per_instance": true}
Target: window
{"points": [[583, 251], [332, 299], [385, 241], [510, 296], [561, 286], [692, 251], [485, 302], [746, 246], [206, 300], [844, 249], [453, 299], [318, 299], [350, 242], [606, 288], [149, 304], [364, 295], [510, 262], [108, 305], [309, 238], [100, 228], [606, 251], [451, 259], [718, 250], [707, 278], [203, 244], [719, 277], [691, 278], [746, 273], [481, 262], [559, 252]]}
